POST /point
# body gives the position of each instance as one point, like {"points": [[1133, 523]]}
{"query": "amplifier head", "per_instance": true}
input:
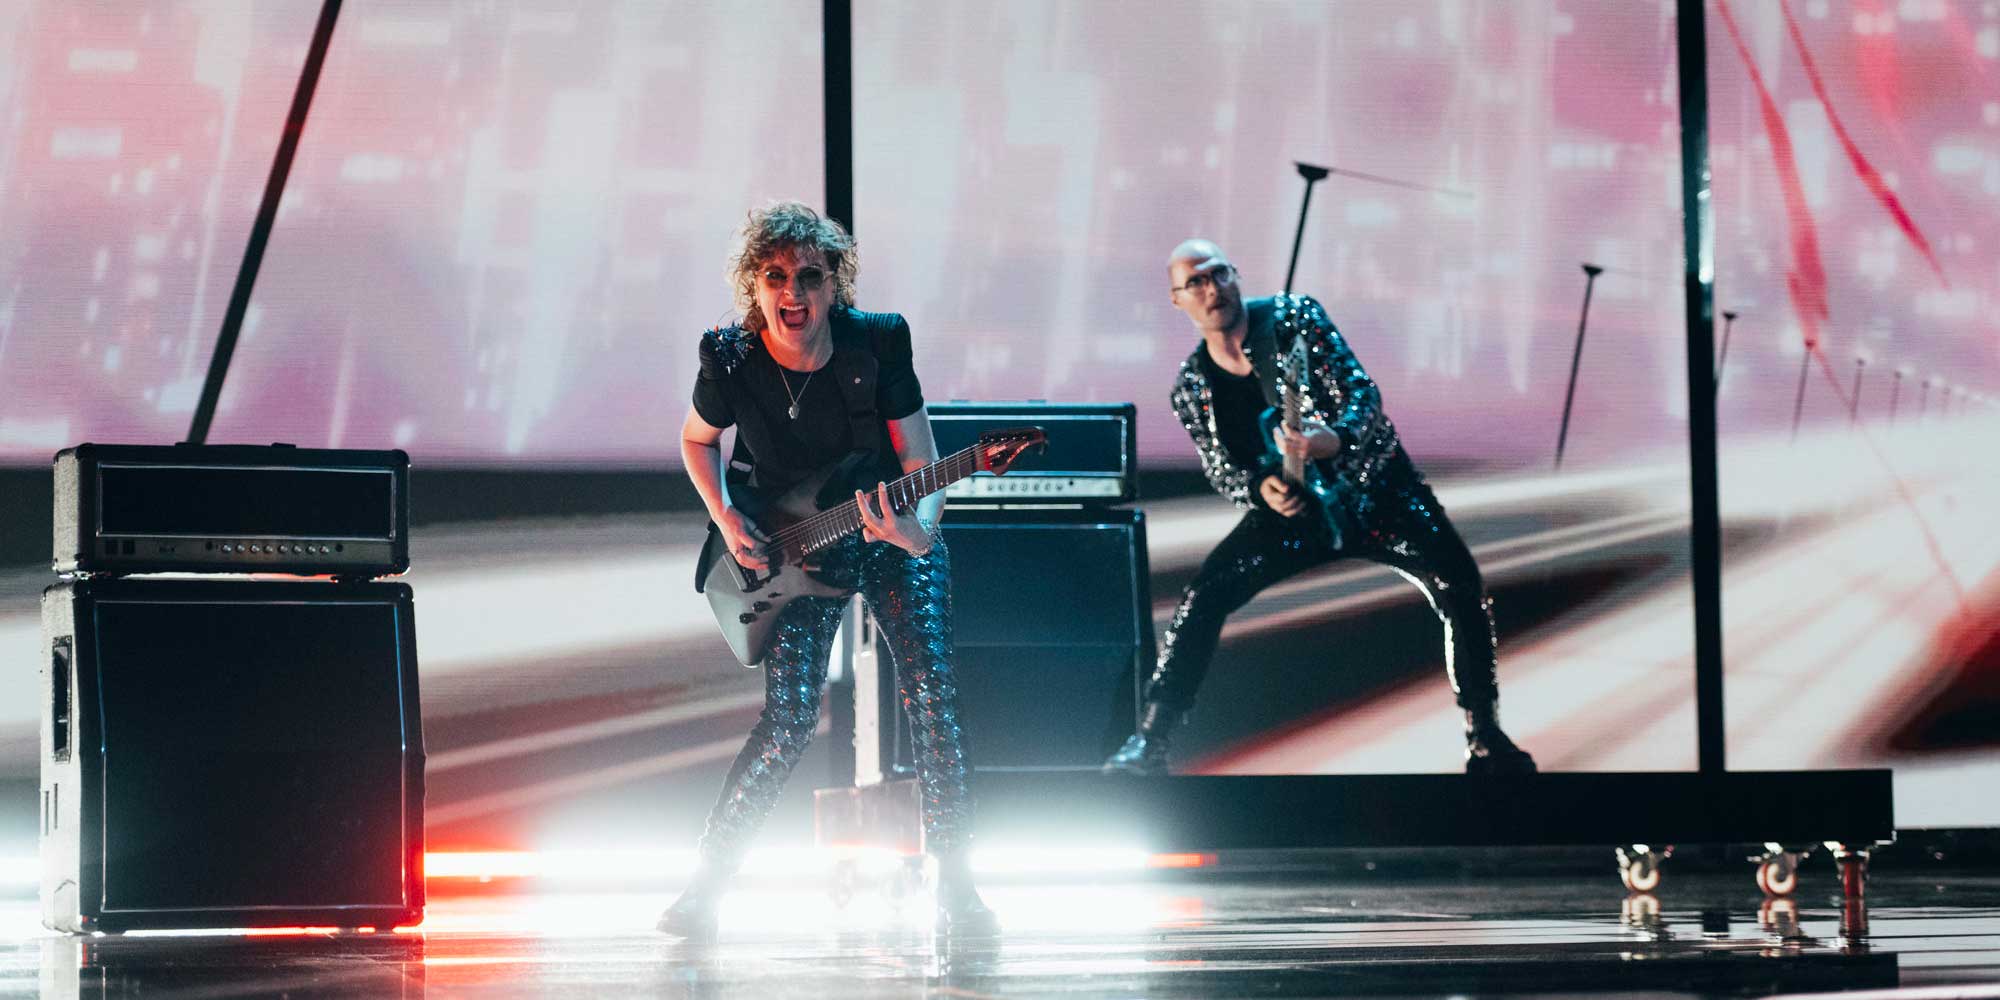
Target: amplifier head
{"points": [[231, 509], [1091, 458]]}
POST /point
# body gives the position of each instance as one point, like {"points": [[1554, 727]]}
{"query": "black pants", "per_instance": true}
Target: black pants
{"points": [[910, 599], [1408, 532]]}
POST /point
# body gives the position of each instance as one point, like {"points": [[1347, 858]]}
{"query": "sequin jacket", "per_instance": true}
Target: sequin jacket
{"points": [[1340, 393]]}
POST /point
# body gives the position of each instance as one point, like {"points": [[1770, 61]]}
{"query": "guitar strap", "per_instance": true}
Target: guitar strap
{"points": [[1261, 343], [857, 368]]}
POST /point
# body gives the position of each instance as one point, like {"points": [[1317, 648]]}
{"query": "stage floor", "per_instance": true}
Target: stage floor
{"points": [[1203, 935]]}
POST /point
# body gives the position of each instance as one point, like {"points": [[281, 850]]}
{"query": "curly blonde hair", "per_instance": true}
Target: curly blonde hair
{"points": [[788, 225]]}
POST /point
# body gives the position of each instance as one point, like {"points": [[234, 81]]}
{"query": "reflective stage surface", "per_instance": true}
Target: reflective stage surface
{"points": [[1189, 935]]}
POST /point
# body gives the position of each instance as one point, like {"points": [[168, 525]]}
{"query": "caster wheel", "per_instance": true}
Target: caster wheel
{"points": [[1778, 876], [1639, 868], [1637, 880]]}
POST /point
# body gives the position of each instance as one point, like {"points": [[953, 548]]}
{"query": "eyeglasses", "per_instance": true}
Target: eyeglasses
{"points": [[810, 279], [1218, 277]]}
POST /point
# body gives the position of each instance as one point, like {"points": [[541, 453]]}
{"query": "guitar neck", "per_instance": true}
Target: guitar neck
{"points": [[831, 525], [1293, 417]]}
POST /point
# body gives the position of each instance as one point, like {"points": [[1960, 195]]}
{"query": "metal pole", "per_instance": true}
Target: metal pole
{"points": [[1895, 393], [260, 231], [1590, 273], [1313, 175], [1722, 355], [1698, 247], [837, 86], [1799, 404], [1854, 396]]}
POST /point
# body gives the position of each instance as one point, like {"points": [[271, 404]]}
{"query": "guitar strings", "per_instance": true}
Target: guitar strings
{"points": [[829, 525], [825, 527]]}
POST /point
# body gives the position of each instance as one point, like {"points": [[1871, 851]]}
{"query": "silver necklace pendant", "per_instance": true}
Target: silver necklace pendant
{"points": [[795, 397]]}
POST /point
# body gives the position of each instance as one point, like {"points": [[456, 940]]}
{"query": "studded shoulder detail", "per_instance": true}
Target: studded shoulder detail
{"points": [[724, 349]]}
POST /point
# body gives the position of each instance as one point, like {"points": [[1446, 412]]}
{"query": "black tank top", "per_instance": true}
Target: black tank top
{"points": [[1238, 403]]}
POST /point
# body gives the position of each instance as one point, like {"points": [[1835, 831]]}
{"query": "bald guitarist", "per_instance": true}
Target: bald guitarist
{"points": [[1335, 484]]}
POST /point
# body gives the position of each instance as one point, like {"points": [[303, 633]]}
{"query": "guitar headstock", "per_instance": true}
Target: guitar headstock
{"points": [[997, 450], [1297, 360]]}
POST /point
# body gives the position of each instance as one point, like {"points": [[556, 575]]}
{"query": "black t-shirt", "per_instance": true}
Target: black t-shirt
{"points": [[1238, 403], [822, 433]]}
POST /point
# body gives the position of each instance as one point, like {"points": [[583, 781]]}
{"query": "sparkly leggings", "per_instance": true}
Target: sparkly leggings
{"points": [[1409, 534], [910, 598]]}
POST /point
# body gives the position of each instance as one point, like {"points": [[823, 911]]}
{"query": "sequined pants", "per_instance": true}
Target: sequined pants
{"points": [[1409, 533], [910, 599]]}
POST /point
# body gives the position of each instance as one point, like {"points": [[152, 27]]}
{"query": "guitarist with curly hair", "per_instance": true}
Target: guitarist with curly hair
{"points": [[1365, 499], [818, 390]]}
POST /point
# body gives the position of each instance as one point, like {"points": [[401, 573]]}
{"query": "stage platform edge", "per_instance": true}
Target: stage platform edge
{"points": [[1281, 812]]}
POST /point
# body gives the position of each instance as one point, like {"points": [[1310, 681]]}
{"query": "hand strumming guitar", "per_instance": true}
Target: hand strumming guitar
{"points": [[1280, 496], [745, 539]]}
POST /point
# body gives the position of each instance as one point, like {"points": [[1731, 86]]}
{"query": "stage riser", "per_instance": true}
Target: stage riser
{"points": [[1217, 813]]}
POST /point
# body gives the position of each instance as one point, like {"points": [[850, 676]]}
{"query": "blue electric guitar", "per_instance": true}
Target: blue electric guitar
{"points": [[1307, 479]]}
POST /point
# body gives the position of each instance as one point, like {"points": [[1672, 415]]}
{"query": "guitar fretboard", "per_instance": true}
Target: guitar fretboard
{"points": [[1294, 411], [831, 525]]}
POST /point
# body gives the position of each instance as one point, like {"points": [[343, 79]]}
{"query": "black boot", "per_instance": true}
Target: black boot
{"points": [[1487, 748], [693, 915], [1145, 752], [960, 911]]}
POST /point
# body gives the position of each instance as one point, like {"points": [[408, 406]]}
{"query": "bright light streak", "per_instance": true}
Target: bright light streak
{"points": [[641, 865], [1031, 860], [776, 864]]}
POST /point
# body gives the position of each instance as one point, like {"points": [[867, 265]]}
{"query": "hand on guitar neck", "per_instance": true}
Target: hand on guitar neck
{"points": [[750, 576], [901, 528], [1300, 437], [1313, 440]]}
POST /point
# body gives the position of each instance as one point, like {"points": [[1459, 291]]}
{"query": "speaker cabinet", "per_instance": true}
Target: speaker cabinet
{"points": [[1054, 628], [230, 754]]}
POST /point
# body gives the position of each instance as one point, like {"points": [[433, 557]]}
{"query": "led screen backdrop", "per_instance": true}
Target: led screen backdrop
{"points": [[505, 226], [1486, 151], [1066, 148], [1857, 196]]}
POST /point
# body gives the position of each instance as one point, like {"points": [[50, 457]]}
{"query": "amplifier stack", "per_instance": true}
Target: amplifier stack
{"points": [[1050, 591], [230, 752]]}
